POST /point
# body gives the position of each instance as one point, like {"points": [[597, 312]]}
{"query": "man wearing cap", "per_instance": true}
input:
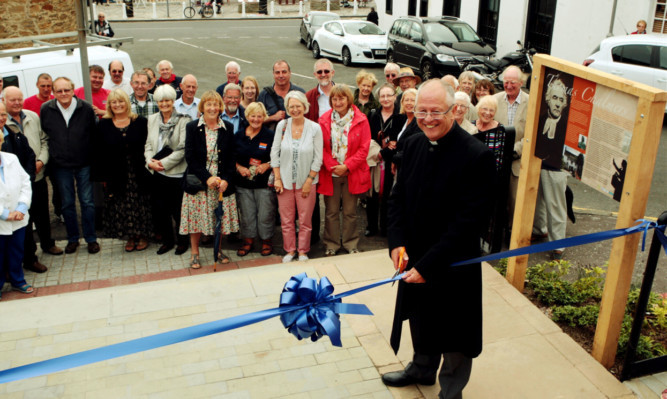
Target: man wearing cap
{"points": [[406, 79]]}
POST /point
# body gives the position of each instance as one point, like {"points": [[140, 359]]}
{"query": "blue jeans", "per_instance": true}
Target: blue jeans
{"points": [[11, 258], [65, 178]]}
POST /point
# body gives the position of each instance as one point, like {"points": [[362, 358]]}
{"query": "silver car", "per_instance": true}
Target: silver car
{"points": [[312, 22]]}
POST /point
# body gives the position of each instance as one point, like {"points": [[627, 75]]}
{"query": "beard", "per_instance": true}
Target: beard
{"points": [[231, 109]]}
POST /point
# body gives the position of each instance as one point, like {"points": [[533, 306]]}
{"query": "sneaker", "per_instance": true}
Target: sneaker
{"points": [[288, 258], [303, 257], [354, 251], [329, 252], [557, 254]]}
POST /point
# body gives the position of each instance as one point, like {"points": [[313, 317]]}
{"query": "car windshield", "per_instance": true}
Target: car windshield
{"points": [[450, 32], [318, 20], [362, 28]]}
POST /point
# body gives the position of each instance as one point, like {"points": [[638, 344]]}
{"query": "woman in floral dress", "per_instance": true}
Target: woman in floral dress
{"points": [[209, 153]]}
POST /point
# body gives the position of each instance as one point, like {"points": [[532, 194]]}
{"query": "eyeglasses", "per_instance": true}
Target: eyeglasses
{"points": [[323, 72], [63, 91], [390, 75], [235, 98], [434, 115], [116, 71]]}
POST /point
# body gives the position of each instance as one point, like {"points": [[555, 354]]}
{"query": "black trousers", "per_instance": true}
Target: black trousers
{"points": [[167, 197], [39, 214]]}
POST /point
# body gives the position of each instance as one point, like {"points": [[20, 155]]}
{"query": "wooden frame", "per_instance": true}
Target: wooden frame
{"points": [[641, 162]]}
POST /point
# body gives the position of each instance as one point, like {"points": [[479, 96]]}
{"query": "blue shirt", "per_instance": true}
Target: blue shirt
{"points": [[234, 120]]}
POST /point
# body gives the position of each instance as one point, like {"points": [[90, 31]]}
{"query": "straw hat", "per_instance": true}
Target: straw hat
{"points": [[406, 72]]}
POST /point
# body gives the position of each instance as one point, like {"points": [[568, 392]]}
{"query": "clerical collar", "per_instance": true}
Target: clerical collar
{"points": [[433, 142]]}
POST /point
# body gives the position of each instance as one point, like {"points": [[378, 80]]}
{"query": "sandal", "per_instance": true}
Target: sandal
{"points": [[222, 258], [142, 244], [25, 288], [194, 262], [267, 248], [130, 245], [246, 247]]}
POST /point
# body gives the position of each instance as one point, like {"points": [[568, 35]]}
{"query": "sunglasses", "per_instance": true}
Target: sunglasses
{"points": [[323, 72], [390, 75]]}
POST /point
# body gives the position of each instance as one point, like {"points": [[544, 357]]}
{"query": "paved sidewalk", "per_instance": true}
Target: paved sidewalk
{"points": [[525, 354]]}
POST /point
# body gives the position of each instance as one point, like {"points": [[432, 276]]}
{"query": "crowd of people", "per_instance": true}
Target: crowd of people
{"points": [[149, 161]]}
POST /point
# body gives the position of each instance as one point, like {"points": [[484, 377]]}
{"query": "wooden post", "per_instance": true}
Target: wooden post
{"points": [[529, 180], [641, 162]]}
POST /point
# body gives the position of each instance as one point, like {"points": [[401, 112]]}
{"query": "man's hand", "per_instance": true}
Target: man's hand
{"points": [[395, 257], [413, 276], [277, 117], [38, 166], [99, 112]]}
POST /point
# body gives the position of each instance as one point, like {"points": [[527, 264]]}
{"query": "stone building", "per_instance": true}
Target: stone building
{"points": [[20, 18]]}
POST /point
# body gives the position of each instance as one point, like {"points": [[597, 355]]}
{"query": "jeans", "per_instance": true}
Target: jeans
{"points": [[39, 213], [11, 257], [65, 178]]}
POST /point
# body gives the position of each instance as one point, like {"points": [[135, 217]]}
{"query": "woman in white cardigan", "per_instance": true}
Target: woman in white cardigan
{"points": [[15, 197], [296, 158], [165, 159]]}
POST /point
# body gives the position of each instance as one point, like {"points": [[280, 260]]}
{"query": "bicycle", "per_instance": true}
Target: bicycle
{"points": [[206, 10]]}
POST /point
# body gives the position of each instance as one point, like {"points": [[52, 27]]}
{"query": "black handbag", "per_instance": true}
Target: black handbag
{"points": [[163, 153], [191, 184]]}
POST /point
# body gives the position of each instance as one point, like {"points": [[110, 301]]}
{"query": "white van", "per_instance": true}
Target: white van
{"points": [[24, 73]]}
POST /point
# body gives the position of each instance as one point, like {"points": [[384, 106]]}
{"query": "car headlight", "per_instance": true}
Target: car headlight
{"points": [[444, 58]]}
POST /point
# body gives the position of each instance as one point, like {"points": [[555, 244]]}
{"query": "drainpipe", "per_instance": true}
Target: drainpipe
{"points": [[613, 18]]}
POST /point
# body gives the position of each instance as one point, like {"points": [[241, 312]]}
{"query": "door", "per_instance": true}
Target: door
{"points": [[423, 8], [540, 25], [487, 21]]}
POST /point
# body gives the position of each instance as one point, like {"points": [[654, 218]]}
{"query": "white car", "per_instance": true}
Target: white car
{"points": [[642, 58], [350, 41]]}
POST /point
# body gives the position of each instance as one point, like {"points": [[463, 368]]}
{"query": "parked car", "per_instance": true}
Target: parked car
{"points": [[434, 47], [351, 41], [312, 22], [642, 58]]}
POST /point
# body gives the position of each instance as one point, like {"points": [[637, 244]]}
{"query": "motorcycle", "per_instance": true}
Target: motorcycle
{"points": [[492, 68]]}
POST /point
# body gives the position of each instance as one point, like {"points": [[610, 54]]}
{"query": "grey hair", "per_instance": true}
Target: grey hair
{"points": [[231, 86], [164, 92], [449, 97], [171, 66], [461, 95], [323, 61], [299, 96], [233, 64], [557, 84]]}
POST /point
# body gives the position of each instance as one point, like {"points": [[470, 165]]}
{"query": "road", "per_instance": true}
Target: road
{"points": [[204, 47]]}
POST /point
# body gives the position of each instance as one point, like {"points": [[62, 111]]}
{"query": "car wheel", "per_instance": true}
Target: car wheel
{"points": [[347, 57], [302, 41], [427, 70], [316, 50], [309, 42], [390, 56]]}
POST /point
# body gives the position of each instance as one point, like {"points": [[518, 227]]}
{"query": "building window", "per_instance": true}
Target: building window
{"points": [[487, 22], [423, 8], [660, 20], [540, 25], [452, 8], [388, 7], [412, 7]]}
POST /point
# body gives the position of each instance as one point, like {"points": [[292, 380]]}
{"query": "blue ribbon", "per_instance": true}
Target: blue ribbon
{"points": [[310, 306], [307, 309], [643, 226]]}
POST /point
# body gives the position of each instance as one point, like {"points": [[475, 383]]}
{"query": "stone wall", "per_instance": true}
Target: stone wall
{"points": [[20, 18]]}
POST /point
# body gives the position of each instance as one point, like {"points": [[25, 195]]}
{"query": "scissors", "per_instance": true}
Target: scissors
{"points": [[401, 264]]}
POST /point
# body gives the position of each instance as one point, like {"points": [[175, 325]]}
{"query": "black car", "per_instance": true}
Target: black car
{"points": [[434, 47]]}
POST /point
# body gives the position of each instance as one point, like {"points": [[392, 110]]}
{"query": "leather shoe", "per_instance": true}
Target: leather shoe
{"points": [[71, 247], [164, 249], [181, 249], [36, 267], [54, 250], [93, 247], [402, 379]]}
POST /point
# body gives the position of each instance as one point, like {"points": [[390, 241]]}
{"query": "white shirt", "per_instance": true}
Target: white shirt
{"points": [[67, 112], [191, 109], [125, 85], [322, 101]]}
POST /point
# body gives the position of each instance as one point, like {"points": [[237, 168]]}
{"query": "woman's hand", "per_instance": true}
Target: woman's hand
{"points": [[261, 169], [305, 189], [156, 165], [278, 185], [222, 186], [243, 171], [213, 182], [339, 170], [392, 145]]}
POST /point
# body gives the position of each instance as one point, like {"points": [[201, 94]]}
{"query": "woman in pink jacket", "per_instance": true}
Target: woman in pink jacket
{"points": [[345, 173]]}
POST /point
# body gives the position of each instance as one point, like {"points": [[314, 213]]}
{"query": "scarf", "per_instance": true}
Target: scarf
{"points": [[171, 79], [340, 127], [167, 128]]}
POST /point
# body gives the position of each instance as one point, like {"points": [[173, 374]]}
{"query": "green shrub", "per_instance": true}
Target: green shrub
{"points": [[576, 316], [550, 287]]}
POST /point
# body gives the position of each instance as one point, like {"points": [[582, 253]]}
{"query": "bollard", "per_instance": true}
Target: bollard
{"points": [[273, 6], [243, 9], [328, 5], [301, 8], [354, 10], [183, 8], [124, 12], [154, 10]]}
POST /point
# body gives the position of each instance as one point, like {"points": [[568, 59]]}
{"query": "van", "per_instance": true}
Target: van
{"points": [[24, 72]]}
